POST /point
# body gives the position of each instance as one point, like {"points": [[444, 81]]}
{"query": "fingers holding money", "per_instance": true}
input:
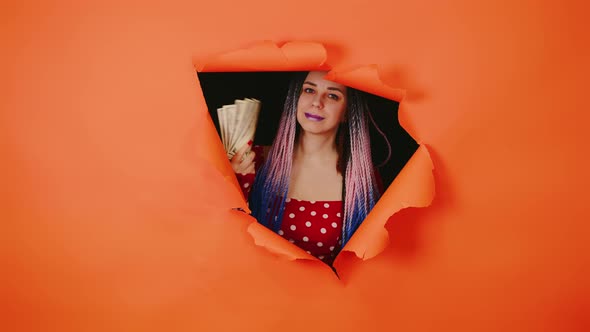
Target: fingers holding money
{"points": [[243, 161]]}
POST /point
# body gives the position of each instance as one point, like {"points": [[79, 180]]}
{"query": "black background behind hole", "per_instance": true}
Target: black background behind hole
{"points": [[223, 88]]}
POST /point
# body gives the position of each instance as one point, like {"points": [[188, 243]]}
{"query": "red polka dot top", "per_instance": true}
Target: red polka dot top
{"points": [[314, 226]]}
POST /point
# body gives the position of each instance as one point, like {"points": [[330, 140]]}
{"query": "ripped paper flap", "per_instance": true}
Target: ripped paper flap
{"points": [[413, 187], [267, 56]]}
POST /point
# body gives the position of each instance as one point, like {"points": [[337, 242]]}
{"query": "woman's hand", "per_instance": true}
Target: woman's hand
{"points": [[243, 161]]}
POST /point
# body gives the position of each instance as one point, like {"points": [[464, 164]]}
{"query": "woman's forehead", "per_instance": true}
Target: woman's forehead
{"points": [[317, 77]]}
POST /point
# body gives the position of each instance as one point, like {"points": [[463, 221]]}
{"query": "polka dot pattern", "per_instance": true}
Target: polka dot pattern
{"points": [[314, 226], [306, 224]]}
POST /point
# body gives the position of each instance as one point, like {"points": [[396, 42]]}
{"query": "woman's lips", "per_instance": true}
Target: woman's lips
{"points": [[313, 117]]}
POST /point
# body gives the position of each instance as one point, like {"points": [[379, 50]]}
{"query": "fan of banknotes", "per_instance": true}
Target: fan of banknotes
{"points": [[237, 123]]}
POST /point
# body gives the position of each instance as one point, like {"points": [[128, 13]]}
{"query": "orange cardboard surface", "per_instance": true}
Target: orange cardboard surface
{"points": [[116, 210]]}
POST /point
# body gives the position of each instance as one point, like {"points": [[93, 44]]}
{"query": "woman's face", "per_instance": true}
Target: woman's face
{"points": [[322, 104]]}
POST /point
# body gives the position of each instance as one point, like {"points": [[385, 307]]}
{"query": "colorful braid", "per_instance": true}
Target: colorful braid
{"points": [[271, 186], [360, 184]]}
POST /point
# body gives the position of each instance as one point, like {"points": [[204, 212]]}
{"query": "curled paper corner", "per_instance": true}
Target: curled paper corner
{"points": [[274, 243], [413, 187], [367, 78], [268, 56]]}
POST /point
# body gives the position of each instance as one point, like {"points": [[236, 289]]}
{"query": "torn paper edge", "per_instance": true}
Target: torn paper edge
{"points": [[268, 56], [413, 187], [371, 238]]}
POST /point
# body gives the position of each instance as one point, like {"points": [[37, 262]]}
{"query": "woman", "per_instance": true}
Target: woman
{"points": [[318, 182]]}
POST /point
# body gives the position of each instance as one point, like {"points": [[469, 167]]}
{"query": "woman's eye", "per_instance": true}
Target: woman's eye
{"points": [[308, 90], [333, 96]]}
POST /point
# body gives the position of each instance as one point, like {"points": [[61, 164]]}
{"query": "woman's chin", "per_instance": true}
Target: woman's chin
{"points": [[316, 130]]}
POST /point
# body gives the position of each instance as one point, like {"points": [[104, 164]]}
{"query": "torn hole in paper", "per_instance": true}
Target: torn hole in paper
{"points": [[263, 71]]}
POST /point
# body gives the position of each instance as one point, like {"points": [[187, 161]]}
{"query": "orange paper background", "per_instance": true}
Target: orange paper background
{"points": [[113, 217]]}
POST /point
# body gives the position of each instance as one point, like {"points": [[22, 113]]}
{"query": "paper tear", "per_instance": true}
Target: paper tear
{"points": [[367, 78], [268, 56], [414, 185], [276, 244]]}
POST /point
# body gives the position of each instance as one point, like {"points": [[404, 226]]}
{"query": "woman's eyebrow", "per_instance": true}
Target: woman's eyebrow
{"points": [[336, 89], [329, 88]]}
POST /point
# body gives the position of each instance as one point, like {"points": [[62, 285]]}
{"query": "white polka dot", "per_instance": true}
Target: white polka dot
{"points": [[334, 225], [323, 231], [281, 232], [338, 214], [302, 208], [308, 223], [288, 200], [293, 227], [246, 185], [305, 239], [325, 216], [321, 257], [326, 205], [332, 248], [291, 240], [309, 252], [291, 215], [320, 244], [313, 213], [312, 202]]}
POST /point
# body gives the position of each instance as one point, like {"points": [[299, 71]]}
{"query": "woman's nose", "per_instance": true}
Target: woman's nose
{"points": [[317, 101]]}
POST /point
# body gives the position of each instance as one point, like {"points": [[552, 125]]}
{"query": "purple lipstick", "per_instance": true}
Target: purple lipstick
{"points": [[313, 117]]}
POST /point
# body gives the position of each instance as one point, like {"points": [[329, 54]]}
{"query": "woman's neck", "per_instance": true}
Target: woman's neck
{"points": [[319, 148]]}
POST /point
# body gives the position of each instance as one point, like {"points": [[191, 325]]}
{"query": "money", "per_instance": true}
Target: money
{"points": [[237, 123]]}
